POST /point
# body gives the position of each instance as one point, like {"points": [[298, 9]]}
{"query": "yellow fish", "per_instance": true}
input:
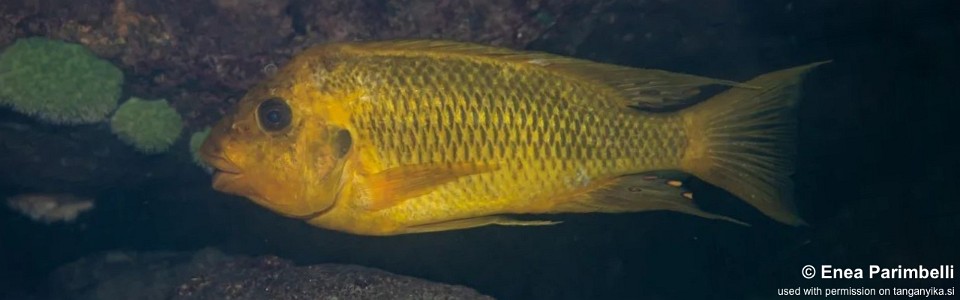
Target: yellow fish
{"points": [[386, 138]]}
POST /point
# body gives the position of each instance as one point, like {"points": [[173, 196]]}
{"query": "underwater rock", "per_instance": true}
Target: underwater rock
{"points": [[210, 274], [130, 275], [201, 55], [50, 208], [274, 278], [496, 22], [83, 159]]}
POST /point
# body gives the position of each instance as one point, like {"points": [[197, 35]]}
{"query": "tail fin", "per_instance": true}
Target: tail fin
{"points": [[742, 140]]}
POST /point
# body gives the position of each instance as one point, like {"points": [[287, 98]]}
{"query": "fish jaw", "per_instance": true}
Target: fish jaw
{"points": [[228, 177], [225, 171], [227, 182], [222, 164], [223, 153], [227, 174]]}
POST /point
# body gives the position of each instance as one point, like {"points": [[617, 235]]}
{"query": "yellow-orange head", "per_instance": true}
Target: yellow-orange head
{"points": [[277, 148]]}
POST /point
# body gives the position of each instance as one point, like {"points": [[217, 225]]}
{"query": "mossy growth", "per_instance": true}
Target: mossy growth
{"points": [[58, 82], [150, 126], [196, 140]]}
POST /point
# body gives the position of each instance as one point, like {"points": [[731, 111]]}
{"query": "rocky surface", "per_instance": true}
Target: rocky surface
{"points": [[82, 159], [202, 55], [199, 54], [210, 274]]}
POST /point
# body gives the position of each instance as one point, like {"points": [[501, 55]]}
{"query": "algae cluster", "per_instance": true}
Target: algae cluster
{"points": [[64, 83], [150, 126], [58, 82]]}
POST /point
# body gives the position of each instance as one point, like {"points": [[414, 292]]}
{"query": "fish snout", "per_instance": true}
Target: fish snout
{"points": [[212, 152], [227, 174]]}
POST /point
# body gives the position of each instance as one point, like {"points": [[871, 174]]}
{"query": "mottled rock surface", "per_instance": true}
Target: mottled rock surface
{"points": [[73, 159], [209, 274], [272, 278], [202, 55]]}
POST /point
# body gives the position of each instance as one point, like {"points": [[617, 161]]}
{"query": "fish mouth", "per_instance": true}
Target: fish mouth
{"points": [[221, 164], [213, 155], [222, 180], [228, 178], [225, 171]]}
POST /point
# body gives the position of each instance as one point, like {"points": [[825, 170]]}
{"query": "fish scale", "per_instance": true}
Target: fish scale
{"points": [[532, 126]]}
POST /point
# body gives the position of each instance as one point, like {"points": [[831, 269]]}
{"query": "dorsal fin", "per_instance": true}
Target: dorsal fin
{"points": [[645, 88]]}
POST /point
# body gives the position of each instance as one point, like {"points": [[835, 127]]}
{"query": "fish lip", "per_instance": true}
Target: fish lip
{"points": [[222, 179], [225, 172], [232, 170], [221, 164]]}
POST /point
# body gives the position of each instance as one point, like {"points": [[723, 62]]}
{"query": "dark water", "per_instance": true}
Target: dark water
{"points": [[876, 178]]}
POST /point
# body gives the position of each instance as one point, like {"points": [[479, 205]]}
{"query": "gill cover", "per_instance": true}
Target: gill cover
{"points": [[331, 166]]}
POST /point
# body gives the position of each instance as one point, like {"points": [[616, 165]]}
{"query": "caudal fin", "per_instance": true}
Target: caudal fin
{"points": [[743, 140]]}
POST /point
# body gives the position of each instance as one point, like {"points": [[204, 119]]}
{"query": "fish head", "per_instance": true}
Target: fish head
{"points": [[276, 148]]}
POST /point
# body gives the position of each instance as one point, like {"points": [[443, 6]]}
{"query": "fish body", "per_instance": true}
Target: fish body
{"points": [[387, 138]]}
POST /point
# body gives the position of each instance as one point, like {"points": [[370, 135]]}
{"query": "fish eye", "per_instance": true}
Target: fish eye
{"points": [[274, 115]]}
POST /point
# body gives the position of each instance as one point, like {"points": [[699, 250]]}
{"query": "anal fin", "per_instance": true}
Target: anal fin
{"points": [[641, 192], [475, 222]]}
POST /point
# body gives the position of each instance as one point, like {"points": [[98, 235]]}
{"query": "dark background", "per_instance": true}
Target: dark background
{"points": [[876, 175]]}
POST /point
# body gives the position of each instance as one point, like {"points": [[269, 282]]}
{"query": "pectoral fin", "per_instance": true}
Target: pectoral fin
{"points": [[641, 192], [475, 222], [393, 186]]}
